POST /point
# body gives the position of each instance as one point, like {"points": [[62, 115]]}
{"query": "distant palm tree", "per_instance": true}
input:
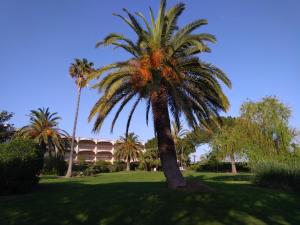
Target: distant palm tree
{"points": [[128, 149], [178, 133], [78, 71], [164, 70], [43, 129]]}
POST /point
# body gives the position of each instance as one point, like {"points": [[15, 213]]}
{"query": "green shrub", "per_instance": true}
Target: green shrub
{"points": [[149, 164], [55, 165], [118, 166], [80, 166], [21, 161], [277, 175], [218, 167], [90, 169], [103, 166]]}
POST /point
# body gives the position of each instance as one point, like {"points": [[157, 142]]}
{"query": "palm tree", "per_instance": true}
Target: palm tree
{"points": [[78, 71], [43, 129], [128, 149], [178, 133], [164, 70]]}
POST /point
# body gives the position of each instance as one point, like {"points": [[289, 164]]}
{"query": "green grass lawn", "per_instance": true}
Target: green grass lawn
{"points": [[142, 198]]}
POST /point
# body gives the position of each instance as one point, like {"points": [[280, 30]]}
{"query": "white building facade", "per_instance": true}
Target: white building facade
{"points": [[92, 150]]}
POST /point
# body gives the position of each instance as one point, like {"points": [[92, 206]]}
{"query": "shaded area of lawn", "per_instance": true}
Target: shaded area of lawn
{"points": [[142, 198]]}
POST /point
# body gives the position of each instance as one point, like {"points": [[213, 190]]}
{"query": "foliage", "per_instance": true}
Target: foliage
{"points": [[185, 147], [20, 164], [79, 71], [151, 144], [276, 174], [79, 167], [163, 58], [6, 129], [272, 117], [101, 166], [55, 165], [217, 166], [228, 141], [118, 166], [43, 129], [261, 133], [128, 148], [150, 157]]}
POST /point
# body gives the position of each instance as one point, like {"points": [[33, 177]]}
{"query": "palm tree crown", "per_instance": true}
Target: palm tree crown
{"points": [[43, 129], [164, 58], [79, 70], [128, 148]]}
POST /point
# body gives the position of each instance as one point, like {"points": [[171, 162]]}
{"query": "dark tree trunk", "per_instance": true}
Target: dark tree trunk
{"points": [[69, 172], [233, 166], [166, 145]]}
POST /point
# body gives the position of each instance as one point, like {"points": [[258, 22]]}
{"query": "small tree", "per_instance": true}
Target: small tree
{"points": [[227, 142], [128, 149], [6, 128]]}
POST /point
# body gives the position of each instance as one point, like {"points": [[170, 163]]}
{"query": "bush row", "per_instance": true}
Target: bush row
{"points": [[90, 169], [219, 167], [21, 161]]}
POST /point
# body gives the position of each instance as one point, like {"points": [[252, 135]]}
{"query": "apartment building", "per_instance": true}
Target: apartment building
{"points": [[92, 150]]}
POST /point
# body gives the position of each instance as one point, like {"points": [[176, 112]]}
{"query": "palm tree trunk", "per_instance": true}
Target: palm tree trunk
{"points": [[69, 172], [166, 145], [128, 165], [233, 166]]}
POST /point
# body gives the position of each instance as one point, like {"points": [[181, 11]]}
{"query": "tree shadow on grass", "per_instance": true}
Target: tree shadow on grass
{"points": [[75, 202]]}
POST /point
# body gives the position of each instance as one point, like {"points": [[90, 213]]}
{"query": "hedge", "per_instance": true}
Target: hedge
{"points": [[21, 162]]}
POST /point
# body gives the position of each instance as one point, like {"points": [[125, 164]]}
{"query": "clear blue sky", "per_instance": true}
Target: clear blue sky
{"points": [[258, 47]]}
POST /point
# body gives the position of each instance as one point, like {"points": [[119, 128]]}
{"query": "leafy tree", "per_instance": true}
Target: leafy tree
{"points": [[272, 117], [43, 129], [128, 148], [228, 141], [78, 71], [166, 72], [150, 156], [6, 129], [151, 144], [262, 132]]}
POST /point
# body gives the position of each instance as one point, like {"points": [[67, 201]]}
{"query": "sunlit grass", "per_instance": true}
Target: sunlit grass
{"points": [[142, 198]]}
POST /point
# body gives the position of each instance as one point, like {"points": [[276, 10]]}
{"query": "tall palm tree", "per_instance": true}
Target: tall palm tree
{"points": [[128, 148], [164, 70], [43, 129], [78, 71]]}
